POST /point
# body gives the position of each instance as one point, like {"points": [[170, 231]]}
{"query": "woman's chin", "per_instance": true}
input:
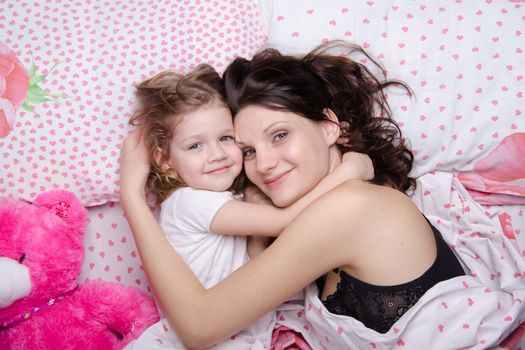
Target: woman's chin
{"points": [[282, 201]]}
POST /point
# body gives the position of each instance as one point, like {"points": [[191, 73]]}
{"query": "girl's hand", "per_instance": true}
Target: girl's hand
{"points": [[134, 165], [254, 195], [356, 166]]}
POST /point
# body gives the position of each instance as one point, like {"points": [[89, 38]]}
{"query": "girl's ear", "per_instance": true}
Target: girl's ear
{"points": [[161, 160], [331, 127]]}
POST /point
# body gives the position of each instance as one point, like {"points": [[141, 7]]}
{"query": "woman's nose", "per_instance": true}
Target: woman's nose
{"points": [[265, 161]]}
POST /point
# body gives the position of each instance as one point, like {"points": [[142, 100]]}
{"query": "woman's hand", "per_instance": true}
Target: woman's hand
{"points": [[134, 165], [356, 166], [257, 244]]}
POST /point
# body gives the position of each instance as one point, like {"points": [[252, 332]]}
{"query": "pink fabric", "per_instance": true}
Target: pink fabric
{"points": [[499, 177], [512, 340], [284, 338]]}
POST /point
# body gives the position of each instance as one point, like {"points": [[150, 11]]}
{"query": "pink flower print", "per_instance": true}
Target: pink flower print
{"points": [[284, 338], [499, 177], [14, 83]]}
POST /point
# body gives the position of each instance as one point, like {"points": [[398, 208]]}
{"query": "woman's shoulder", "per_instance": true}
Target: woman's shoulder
{"points": [[357, 192], [342, 204], [356, 203]]}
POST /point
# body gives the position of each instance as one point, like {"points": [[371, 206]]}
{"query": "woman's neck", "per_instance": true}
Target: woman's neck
{"points": [[335, 158]]}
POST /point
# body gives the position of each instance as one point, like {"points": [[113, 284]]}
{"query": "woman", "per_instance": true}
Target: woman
{"points": [[370, 249]]}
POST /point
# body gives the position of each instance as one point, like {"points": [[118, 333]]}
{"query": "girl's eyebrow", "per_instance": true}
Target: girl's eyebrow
{"points": [[191, 138], [202, 135]]}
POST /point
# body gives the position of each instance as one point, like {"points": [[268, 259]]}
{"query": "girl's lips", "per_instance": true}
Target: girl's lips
{"points": [[277, 180], [219, 170]]}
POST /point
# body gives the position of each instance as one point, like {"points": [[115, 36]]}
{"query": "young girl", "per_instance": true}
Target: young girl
{"points": [[188, 131]]}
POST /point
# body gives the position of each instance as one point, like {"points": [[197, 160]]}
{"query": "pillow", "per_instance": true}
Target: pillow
{"points": [[463, 59], [76, 63]]}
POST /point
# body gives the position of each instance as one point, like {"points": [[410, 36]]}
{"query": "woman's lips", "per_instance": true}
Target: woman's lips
{"points": [[277, 180]]}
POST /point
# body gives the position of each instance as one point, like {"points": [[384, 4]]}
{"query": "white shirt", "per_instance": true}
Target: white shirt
{"points": [[185, 218]]}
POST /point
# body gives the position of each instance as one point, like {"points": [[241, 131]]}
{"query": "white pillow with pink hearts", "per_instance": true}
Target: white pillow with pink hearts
{"points": [[67, 72]]}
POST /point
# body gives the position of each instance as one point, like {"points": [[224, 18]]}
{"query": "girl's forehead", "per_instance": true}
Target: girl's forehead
{"points": [[207, 114], [203, 121]]}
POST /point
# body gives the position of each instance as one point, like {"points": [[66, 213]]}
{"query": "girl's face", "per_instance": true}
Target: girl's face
{"points": [[285, 154], [203, 151]]}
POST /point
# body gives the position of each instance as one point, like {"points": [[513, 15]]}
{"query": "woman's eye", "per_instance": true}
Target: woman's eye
{"points": [[227, 138], [280, 135], [248, 153]]}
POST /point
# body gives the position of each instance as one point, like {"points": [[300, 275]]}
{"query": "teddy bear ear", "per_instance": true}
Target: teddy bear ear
{"points": [[65, 205]]}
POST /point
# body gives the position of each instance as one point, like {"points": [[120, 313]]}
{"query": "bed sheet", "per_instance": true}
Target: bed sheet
{"points": [[111, 253]]}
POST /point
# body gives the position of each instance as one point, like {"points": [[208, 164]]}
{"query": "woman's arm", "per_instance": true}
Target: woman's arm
{"points": [[255, 219], [305, 251]]}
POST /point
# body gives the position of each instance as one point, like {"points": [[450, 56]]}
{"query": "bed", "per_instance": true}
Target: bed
{"points": [[68, 70]]}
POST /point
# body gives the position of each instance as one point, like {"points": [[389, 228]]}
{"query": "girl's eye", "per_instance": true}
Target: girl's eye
{"points": [[248, 153], [280, 135], [227, 138], [193, 146]]}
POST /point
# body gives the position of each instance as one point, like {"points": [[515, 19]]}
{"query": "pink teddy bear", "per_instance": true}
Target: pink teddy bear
{"points": [[42, 306]]}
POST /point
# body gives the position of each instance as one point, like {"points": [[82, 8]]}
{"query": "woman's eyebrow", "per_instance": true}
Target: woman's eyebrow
{"points": [[264, 130], [273, 124], [237, 140]]}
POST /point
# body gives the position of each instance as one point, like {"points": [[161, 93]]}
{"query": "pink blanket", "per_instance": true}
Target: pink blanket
{"points": [[499, 177]]}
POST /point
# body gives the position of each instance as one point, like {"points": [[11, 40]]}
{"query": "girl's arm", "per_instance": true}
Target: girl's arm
{"points": [[303, 252], [255, 219]]}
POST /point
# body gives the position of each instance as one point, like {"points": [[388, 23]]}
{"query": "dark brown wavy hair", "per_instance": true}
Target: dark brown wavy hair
{"points": [[162, 100], [322, 79]]}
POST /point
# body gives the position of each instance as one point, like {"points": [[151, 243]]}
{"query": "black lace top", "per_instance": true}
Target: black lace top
{"points": [[378, 307]]}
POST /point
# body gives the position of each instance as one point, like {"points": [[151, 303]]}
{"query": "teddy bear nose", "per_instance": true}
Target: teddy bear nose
{"points": [[15, 282]]}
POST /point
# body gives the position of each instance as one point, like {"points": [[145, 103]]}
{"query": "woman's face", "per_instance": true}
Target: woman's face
{"points": [[285, 155]]}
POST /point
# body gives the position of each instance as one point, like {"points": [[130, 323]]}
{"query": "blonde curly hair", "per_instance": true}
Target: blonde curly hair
{"points": [[162, 100]]}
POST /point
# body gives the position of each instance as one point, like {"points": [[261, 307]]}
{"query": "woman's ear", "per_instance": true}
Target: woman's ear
{"points": [[331, 128]]}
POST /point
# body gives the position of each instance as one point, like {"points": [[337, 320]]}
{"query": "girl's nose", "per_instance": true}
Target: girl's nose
{"points": [[216, 152]]}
